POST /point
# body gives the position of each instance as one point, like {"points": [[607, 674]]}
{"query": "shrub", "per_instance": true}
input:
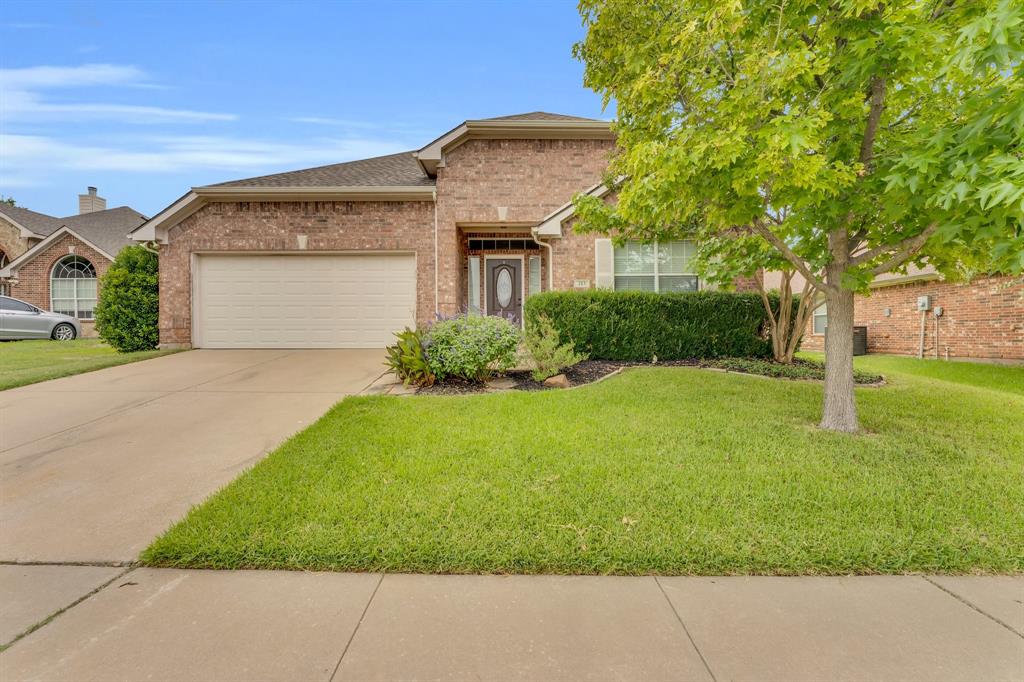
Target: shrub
{"points": [[798, 369], [639, 325], [550, 356], [128, 307], [408, 358], [472, 347]]}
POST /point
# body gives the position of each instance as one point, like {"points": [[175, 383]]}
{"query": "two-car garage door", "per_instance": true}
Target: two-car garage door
{"points": [[302, 301]]}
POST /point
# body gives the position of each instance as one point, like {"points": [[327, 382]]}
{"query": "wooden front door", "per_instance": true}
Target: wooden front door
{"points": [[505, 288]]}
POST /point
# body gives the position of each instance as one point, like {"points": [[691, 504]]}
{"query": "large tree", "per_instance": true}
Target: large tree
{"points": [[850, 137]]}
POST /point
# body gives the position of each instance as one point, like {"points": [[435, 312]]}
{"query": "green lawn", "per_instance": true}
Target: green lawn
{"points": [[660, 470], [27, 362]]}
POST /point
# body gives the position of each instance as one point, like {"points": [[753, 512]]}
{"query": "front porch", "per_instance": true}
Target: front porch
{"points": [[500, 270]]}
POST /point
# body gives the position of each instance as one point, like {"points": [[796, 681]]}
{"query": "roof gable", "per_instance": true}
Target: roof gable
{"points": [[32, 223]]}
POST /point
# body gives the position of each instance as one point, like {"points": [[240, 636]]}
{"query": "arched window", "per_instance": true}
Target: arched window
{"points": [[73, 287], [3, 264]]}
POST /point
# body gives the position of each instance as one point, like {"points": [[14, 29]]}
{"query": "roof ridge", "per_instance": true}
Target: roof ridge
{"points": [[313, 168]]}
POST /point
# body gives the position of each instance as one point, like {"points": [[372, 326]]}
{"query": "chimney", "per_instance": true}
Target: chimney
{"points": [[87, 203]]}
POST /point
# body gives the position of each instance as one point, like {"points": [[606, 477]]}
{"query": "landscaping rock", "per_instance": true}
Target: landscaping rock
{"points": [[502, 384], [557, 381]]}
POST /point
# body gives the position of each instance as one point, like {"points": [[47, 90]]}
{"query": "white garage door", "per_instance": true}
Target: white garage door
{"points": [[277, 301]]}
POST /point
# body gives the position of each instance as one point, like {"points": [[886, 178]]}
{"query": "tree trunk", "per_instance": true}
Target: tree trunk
{"points": [[840, 410]]}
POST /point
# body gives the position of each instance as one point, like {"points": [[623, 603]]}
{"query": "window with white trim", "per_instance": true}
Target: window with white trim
{"points": [[534, 275], [473, 295], [658, 266], [820, 319], [73, 287]]}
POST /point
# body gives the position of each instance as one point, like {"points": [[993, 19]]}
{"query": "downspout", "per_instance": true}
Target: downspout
{"points": [[551, 257], [437, 306]]}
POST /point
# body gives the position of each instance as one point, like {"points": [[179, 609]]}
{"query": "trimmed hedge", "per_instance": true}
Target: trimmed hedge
{"points": [[640, 325]]}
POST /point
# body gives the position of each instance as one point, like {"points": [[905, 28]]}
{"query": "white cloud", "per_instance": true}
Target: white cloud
{"points": [[337, 122], [35, 156], [22, 100], [44, 77]]}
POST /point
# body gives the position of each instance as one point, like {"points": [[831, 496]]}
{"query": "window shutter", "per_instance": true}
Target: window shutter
{"points": [[604, 264]]}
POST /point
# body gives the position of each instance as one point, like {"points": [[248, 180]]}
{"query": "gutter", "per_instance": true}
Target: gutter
{"points": [[551, 257]]}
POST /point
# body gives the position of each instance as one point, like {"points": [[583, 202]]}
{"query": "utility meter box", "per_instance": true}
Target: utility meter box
{"points": [[924, 303]]}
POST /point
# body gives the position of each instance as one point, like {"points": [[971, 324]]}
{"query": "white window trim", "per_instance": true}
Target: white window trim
{"points": [[474, 292], [53, 278], [529, 274], [657, 268], [820, 311]]}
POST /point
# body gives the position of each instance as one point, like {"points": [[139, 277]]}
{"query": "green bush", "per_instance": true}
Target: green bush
{"points": [[549, 355], [472, 347], [798, 369], [128, 308], [408, 358], [640, 325]]}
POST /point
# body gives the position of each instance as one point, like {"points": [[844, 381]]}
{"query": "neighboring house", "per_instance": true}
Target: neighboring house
{"points": [[983, 318], [55, 263], [344, 255]]}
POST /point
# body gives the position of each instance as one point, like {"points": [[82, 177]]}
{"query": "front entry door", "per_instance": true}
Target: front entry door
{"points": [[505, 289]]}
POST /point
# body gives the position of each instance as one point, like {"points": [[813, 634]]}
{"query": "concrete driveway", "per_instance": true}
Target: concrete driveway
{"points": [[93, 467]]}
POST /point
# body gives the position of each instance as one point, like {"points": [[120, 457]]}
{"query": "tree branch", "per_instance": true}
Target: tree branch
{"points": [[788, 253], [901, 252], [877, 99]]}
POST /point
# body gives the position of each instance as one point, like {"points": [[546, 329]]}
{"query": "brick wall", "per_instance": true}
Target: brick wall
{"points": [[33, 277], [274, 226], [530, 178], [498, 253], [11, 241], [981, 319]]}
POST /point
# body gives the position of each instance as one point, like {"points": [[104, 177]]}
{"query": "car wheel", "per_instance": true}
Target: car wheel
{"points": [[63, 332]]}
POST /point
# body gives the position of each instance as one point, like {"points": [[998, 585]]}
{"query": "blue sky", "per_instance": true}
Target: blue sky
{"points": [[145, 100]]}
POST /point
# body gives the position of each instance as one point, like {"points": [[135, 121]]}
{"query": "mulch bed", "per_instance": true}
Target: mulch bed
{"points": [[590, 371], [585, 372]]}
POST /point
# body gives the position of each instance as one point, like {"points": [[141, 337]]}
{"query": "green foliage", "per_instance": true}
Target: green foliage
{"points": [[128, 308], [798, 369], [549, 355], [8, 200], [472, 347], [640, 325], [877, 123], [407, 358]]}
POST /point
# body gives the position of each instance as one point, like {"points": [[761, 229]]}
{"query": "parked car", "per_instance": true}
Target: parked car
{"points": [[20, 320]]}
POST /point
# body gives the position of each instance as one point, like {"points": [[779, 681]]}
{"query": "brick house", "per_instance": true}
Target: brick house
{"points": [[477, 220], [55, 263], [983, 318], [346, 254]]}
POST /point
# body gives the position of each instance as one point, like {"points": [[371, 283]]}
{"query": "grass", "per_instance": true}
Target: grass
{"points": [[658, 471], [28, 362]]}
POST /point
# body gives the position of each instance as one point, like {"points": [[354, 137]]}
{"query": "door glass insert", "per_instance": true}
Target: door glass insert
{"points": [[503, 287]]}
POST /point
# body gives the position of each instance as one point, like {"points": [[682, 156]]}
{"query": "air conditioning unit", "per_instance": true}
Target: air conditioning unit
{"points": [[924, 303]]}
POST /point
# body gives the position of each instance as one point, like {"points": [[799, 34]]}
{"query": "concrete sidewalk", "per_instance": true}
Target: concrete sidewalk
{"points": [[267, 625]]}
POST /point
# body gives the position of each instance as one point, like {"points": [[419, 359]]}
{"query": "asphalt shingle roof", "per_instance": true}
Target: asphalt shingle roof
{"points": [[539, 116], [107, 229], [394, 170], [40, 223]]}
